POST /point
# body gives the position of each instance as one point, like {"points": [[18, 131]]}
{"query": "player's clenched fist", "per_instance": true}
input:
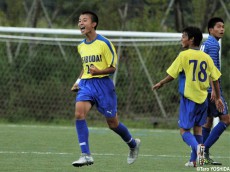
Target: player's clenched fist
{"points": [[75, 87], [93, 70]]}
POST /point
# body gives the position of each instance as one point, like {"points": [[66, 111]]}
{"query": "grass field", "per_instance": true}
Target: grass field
{"points": [[41, 148]]}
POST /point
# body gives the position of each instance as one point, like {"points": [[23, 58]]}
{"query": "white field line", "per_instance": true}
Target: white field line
{"points": [[99, 154]]}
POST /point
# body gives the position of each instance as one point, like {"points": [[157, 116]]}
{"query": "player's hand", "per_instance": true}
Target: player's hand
{"points": [[93, 70], [219, 105], [213, 96], [157, 86], [75, 87]]}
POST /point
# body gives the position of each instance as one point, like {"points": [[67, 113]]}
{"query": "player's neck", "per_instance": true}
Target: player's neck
{"points": [[216, 38], [91, 36], [194, 47]]}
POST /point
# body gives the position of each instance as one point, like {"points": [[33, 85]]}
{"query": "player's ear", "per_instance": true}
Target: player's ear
{"points": [[192, 39], [94, 24], [210, 30]]}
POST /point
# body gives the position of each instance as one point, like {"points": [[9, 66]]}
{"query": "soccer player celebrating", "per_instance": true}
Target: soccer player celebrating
{"points": [[194, 69], [94, 86], [212, 48]]}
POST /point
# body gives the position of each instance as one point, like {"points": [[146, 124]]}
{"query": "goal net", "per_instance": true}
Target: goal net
{"points": [[39, 66]]}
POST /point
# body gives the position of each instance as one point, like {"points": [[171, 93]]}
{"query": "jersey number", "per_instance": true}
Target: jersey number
{"points": [[88, 66], [202, 75]]}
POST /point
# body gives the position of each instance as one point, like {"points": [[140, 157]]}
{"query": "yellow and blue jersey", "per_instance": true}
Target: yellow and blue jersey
{"points": [[100, 53], [194, 67]]}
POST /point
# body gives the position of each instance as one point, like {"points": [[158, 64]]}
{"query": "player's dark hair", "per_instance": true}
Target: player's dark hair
{"points": [[212, 22], [195, 33], [93, 17]]}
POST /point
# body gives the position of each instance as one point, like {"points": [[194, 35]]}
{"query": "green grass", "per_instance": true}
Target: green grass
{"points": [[43, 148]]}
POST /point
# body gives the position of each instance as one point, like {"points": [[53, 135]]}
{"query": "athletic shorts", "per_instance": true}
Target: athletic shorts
{"points": [[212, 111], [192, 114], [101, 92]]}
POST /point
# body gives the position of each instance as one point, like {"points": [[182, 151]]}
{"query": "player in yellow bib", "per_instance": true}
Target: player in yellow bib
{"points": [[99, 53], [94, 87], [194, 68]]}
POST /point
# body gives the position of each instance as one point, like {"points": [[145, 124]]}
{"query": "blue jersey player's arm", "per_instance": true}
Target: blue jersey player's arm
{"points": [[219, 103]]}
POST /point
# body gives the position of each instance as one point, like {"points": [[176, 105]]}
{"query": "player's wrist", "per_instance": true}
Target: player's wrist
{"points": [[78, 80]]}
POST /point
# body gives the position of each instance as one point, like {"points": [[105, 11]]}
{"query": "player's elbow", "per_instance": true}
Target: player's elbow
{"points": [[112, 69]]}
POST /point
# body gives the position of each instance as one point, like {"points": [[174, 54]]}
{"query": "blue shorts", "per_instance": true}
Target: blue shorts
{"points": [[101, 92], [191, 113], [212, 111]]}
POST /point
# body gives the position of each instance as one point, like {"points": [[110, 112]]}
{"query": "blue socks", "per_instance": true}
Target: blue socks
{"points": [[214, 135], [205, 133], [208, 138], [199, 140], [122, 131], [190, 140], [83, 136]]}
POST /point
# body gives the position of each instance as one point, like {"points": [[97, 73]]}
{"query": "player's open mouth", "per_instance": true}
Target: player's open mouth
{"points": [[82, 29], [221, 34]]}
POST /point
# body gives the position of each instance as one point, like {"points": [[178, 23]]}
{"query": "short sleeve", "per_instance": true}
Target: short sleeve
{"points": [[175, 68]]}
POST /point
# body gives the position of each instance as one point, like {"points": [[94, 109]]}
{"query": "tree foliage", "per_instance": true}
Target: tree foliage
{"points": [[134, 15]]}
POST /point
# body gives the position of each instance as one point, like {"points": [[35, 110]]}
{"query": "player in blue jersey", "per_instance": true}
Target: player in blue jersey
{"points": [[94, 87], [211, 47], [194, 69]]}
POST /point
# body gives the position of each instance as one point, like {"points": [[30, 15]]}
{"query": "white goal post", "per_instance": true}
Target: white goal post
{"points": [[121, 39]]}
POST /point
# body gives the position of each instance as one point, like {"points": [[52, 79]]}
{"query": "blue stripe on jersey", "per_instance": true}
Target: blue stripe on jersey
{"points": [[211, 47], [101, 38], [182, 80]]}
